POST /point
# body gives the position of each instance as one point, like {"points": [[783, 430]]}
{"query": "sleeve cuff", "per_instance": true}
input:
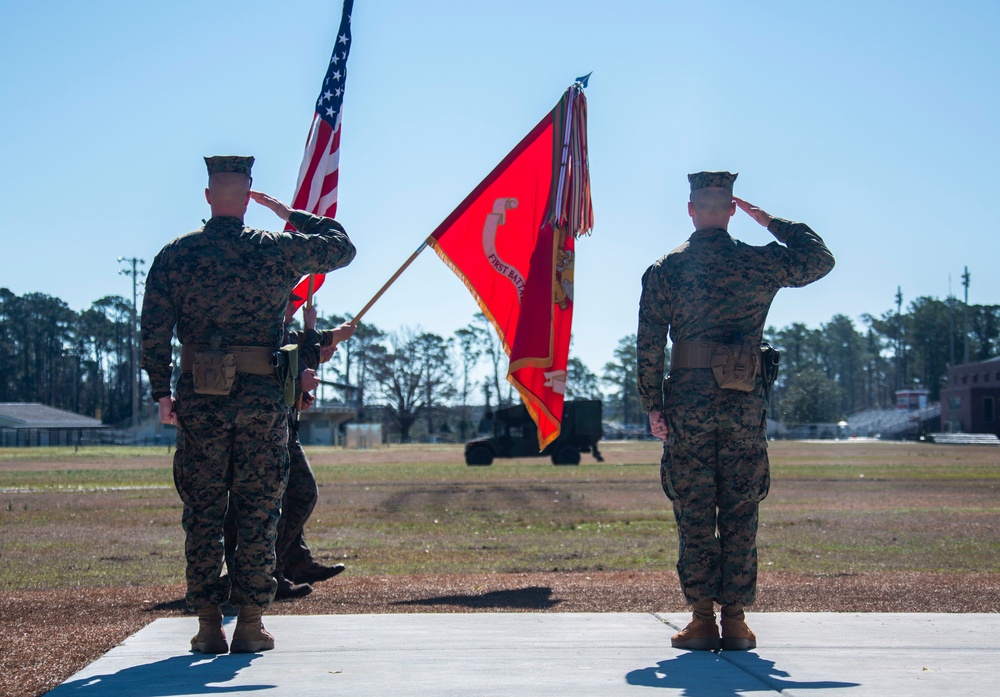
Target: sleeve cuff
{"points": [[780, 228], [299, 219]]}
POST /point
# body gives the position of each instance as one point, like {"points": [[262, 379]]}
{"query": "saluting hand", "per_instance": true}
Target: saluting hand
{"points": [[279, 208], [754, 212]]}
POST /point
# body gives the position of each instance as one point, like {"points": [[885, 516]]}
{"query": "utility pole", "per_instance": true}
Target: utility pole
{"points": [[951, 351], [965, 313], [132, 269], [899, 338]]}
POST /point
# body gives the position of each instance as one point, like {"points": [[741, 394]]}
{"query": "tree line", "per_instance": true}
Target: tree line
{"points": [[421, 384]]}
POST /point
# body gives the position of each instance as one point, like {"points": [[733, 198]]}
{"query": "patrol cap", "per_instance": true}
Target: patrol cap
{"points": [[229, 163], [712, 180]]}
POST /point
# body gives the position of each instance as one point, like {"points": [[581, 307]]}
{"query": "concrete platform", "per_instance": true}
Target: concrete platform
{"points": [[540, 654]]}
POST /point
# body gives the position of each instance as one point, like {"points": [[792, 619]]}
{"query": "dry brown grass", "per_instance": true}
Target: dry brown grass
{"points": [[86, 565]]}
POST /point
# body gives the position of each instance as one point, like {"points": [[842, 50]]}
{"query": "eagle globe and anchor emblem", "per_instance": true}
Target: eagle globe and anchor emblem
{"points": [[562, 286]]}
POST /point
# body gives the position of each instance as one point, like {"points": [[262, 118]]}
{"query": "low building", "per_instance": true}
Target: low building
{"points": [[970, 400], [911, 400], [320, 425], [25, 424]]}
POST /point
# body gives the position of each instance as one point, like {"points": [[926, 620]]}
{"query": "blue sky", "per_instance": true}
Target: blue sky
{"points": [[874, 122]]}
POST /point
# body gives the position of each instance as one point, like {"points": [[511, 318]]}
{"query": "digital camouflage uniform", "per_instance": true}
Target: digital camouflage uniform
{"points": [[230, 281], [302, 493], [714, 467]]}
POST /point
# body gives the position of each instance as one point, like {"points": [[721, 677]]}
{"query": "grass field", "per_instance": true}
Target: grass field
{"points": [[110, 516]]}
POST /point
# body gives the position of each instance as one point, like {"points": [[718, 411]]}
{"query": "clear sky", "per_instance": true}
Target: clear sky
{"points": [[874, 122]]}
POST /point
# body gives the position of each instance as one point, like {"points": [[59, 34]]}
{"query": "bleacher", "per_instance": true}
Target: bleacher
{"points": [[965, 438], [890, 423]]}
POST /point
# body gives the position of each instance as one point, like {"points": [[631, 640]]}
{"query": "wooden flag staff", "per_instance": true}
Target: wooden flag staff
{"points": [[357, 317], [312, 288]]}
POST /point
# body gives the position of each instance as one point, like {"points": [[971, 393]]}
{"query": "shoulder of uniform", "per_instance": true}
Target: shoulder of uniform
{"points": [[181, 241], [758, 248], [268, 236], [680, 249], [655, 266], [655, 269]]}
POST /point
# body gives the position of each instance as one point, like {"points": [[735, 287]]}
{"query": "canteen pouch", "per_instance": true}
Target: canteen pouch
{"points": [[736, 366], [213, 371], [288, 371]]}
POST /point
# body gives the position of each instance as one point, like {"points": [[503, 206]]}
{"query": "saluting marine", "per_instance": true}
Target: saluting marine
{"points": [[711, 296], [224, 287]]}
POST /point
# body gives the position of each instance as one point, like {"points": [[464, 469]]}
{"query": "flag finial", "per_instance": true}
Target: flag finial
{"points": [[583, 80]]}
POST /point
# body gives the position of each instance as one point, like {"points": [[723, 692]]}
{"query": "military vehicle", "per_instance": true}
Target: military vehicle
{"points": [[515, 435]]}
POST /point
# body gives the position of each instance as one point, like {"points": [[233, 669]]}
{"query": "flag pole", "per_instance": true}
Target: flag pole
{"points": [[384, 288], [312, 288]]}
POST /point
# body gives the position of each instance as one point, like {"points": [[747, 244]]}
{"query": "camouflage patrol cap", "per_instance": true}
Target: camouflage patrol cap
{"points": [[716, 180], [229, 163]]}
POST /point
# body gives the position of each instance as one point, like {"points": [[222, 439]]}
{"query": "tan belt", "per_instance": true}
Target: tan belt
{"points": [[692, 354], [256, 360]]}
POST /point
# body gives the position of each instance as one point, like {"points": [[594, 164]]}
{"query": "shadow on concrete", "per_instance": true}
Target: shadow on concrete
{"points": [[709, 674], [180, 604], [531, 598], [179, 675]]}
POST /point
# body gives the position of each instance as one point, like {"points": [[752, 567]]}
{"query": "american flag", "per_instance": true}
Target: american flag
{"points": [[316, 190]]}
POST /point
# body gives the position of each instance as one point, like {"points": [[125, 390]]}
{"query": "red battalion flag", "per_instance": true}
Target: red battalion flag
{"points": [[319, 174], [511, 241]]}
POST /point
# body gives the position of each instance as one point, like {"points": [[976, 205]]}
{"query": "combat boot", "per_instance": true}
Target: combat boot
{"points": [[250, 635], [702, 633], [736, 635], [211, 637], [288, 590], [311, 571]]}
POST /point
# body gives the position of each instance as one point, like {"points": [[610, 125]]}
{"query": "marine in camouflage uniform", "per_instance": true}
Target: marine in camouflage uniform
{"points": [[228, 283], [301, 492], [716, 290], [295, 559]]}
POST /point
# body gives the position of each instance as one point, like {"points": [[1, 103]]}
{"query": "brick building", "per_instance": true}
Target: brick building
{"points": [[971, 398]]}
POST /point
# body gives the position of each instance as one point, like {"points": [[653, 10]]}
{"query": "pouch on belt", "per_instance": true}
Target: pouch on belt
{"points": [[288, 370], [213, 371]]}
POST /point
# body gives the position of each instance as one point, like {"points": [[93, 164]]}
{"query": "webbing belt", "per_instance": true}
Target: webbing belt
{"points": [[694, 354], [256, 360]]}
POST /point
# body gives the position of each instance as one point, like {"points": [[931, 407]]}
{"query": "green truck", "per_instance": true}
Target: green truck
{"points": [[515, 435]]}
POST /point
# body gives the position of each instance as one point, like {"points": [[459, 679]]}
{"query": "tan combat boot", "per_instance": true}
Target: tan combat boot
{"points": [[250, 635], [702, 633], [736, 635], [211, 637]]}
